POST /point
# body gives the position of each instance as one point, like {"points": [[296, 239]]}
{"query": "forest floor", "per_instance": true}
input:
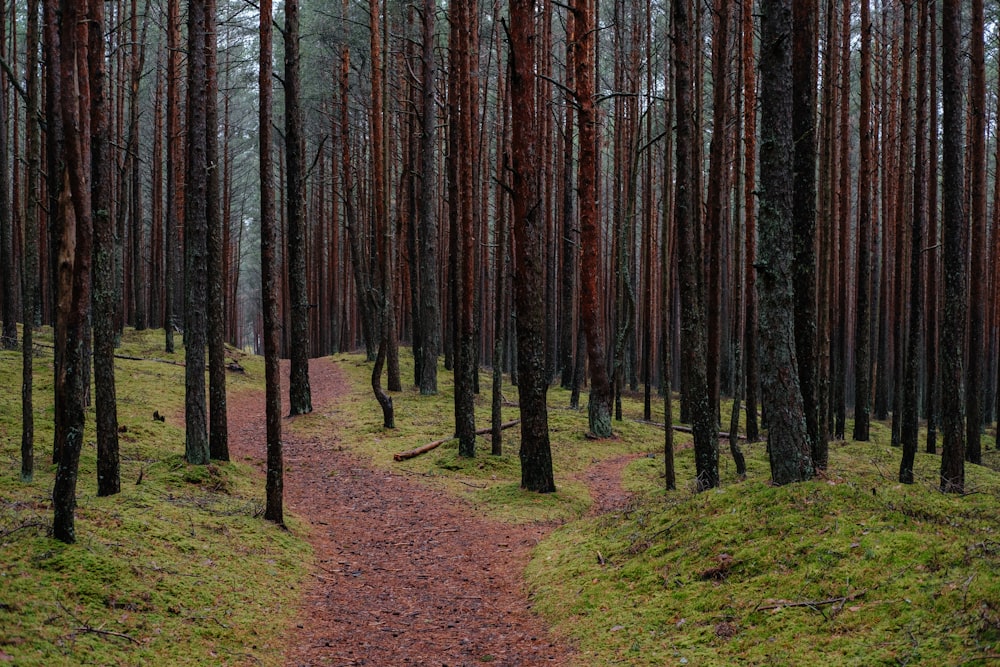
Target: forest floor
{"points": [[403, 574]]}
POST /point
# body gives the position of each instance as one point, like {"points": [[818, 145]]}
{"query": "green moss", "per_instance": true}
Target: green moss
{"points": [[166, 563]]}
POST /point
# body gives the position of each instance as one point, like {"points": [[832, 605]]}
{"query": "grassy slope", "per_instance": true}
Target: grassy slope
{"points": [[180, 562], [686, 578], [677, 579]]}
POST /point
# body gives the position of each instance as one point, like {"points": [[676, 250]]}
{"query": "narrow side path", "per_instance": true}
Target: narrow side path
{"points": [[404, 575]]}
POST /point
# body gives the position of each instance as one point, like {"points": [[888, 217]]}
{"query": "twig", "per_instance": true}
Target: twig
{"points": [[33, 524], [814, 603], [683, 429], [109, 633]]}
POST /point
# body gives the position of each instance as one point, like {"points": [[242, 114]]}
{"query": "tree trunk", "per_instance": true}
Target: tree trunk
{"points": [[104, 292], [804, 17], [29, 271], [974, 387], [750, 208], [688, 222], [591, 306], [788, 440], [862, 326], [299, 393], [175, 176], [196, 448], [218, 433], [74, 251], [529, 268], [8, 278], [270, 277], [911, 387], [430, 296], [955, 288]]}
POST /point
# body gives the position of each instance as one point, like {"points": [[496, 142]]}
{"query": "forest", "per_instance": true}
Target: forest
{"points": [[735, 238]]}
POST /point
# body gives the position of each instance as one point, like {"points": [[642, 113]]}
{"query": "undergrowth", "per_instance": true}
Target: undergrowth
{"points": [[178, 569]]}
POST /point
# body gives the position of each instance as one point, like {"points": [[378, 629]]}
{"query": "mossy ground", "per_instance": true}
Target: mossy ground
{"points": [[853, 568], [180, 562], [722, 577]]}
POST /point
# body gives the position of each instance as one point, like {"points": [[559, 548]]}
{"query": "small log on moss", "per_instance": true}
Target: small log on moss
{"points": [[402, 456]]}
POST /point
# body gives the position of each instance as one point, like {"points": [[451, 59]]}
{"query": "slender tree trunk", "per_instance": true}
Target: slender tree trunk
{"points": [[430, 317], [175, 177], [8, 278], [29, 271], [218, 433], [911, 387], [789, 446], [750, 208], [571, 230], [591, 307], [104, 293], [862, 326], [932, 359], [529, 268], [844, 127], [196, 448], [974, 387], [955, 287], [688, 222], [74, 252], [805, 14], [299, 392], [270, 277]]}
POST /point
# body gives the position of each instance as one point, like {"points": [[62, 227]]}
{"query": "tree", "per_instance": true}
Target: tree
{"points": [[269, 275], [687, 218], [953, 219], [529, 260], [427, 231], [196, 448], [789, 448], [804, 18], [974, 387], [911, 384], [104, 292], [74, 248], [591, 307], [299, 393], [29, 270], [862, 326], [8, 279], [174, 175]]}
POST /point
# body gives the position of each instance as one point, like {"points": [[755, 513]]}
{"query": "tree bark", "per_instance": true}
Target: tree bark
{"points": [[591, 306], [104, 289], [430, 318], [789, 447], [270, 277], [955, 247], [299, 393], [8, 279], [196, 448], [529, 263], [862, 326], [74, 252]]}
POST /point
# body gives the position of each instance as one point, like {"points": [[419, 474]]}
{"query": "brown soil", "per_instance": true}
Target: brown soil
{"points": [[403, 574]]}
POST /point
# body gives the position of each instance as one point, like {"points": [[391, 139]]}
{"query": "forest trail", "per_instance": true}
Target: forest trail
{"points": [[404, 575]]}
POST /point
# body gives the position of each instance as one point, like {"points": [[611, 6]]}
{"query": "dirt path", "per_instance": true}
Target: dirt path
{"points": [[404, 575]]}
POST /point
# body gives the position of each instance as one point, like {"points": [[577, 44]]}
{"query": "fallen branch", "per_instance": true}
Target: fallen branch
{"points": [[109, 633], [815, 603], [684, 429], [126, 357], [412, 453]]}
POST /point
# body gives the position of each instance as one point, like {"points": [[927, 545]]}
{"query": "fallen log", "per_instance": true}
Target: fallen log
{"points": [[402, 456], [683, 429]]}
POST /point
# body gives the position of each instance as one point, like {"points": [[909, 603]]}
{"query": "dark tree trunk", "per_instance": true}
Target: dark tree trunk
{"points": [[384, 399], [529, 268], [975, 372], [104, 292], [270, 278], [934, 253], [788, 440], [196, 449], [805, 15], [591, 306], [74, 252], [175, 176], [218, 432], [840, 355], [29, 271], [911, 384], [299, 393], [688, 222], [430, 318], [8, 278], [862, 326], [570, 227], [955, 288], [749, 203]]}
